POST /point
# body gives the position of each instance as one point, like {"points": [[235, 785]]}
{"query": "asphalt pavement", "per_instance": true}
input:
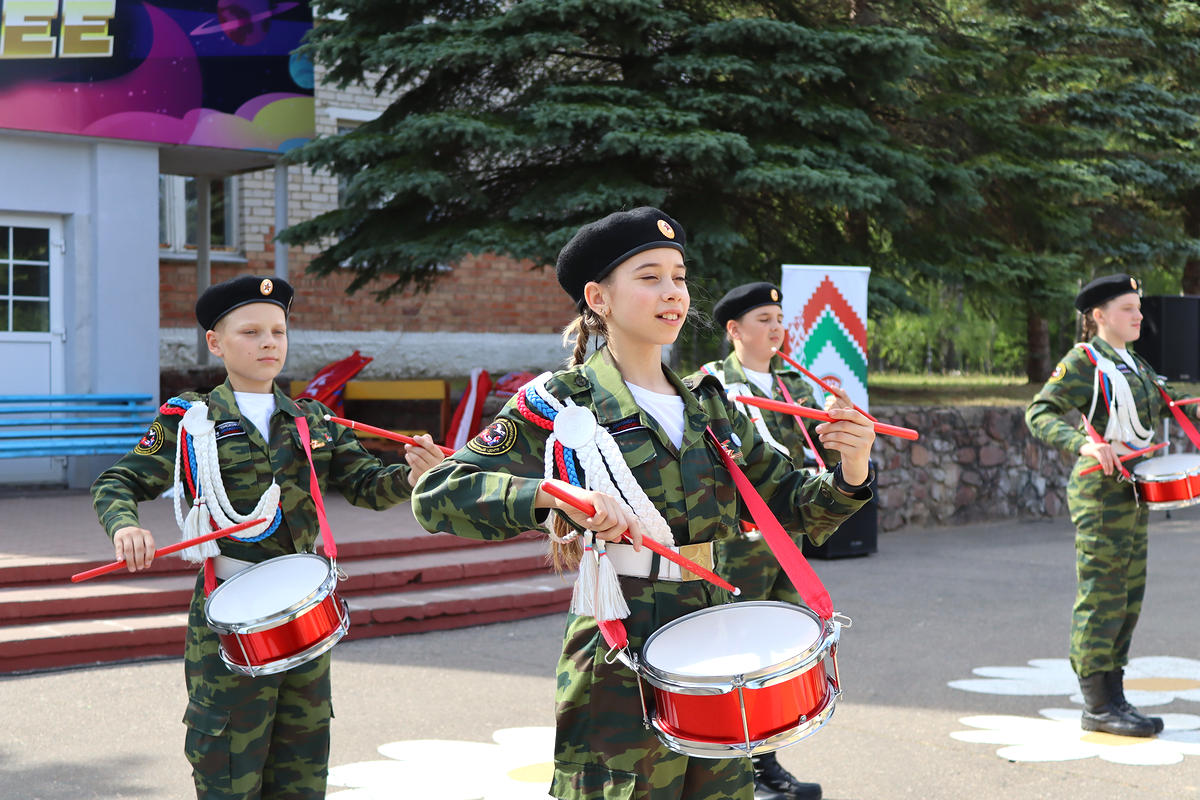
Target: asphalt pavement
{"points": [[930, 608]]}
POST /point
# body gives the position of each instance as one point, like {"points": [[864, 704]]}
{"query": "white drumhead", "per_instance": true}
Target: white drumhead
{"points": [[1176, 464], [266, 589], [732, 639]]}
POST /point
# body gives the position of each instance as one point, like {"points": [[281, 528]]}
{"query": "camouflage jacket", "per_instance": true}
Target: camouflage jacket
{"points": [[248, 463], [487, 489], [1070, 388], [784, 427]]}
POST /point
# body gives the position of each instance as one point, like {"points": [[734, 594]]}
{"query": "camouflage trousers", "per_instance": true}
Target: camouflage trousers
{"points": [[261, 738], [603, 751], [1110, 569]]}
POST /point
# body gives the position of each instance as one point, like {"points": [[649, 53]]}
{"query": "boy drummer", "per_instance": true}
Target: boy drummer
{"points": [[265, 736]]}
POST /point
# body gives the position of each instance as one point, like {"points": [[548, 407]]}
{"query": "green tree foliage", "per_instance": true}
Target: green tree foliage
{"points": [[763, 126], [983, 157], [1078, 143]]}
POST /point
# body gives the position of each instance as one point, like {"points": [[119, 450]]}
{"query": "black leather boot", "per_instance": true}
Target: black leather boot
{"points": [[1116, 696], [1099, 714], [773, 782]]}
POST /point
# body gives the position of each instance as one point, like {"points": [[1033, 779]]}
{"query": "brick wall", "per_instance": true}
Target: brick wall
{"points": [[479, 294]]}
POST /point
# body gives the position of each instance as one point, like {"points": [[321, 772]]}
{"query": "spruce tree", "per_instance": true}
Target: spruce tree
{"points": [[766, 128]]}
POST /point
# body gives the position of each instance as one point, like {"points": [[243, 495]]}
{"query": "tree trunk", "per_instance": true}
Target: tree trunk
{"points": [[1191, 226], [1037, 346], [1191, 278]]}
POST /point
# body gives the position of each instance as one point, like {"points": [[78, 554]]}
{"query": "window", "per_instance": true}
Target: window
{"points": [[24, 279], [178, 214]]}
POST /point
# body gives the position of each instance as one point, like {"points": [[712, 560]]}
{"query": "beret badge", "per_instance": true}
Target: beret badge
{"points": [[266, 287], [666, 229]]}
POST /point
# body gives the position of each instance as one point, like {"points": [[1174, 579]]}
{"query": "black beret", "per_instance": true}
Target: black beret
{"points": [[221, 298], [1104, 289], [747, 297], [600, 246]]}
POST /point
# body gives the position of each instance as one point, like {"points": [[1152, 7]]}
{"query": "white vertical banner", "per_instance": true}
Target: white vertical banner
{"points": [[825, 314]]}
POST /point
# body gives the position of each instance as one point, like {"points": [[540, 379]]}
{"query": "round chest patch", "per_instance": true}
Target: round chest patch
{"points": [[575, 426], [151, 442], [496, 439]]}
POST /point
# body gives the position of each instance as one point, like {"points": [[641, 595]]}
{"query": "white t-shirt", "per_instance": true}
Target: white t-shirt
{"points": [[667, 409], [763, 380], [257, 408], [1128, 359]]}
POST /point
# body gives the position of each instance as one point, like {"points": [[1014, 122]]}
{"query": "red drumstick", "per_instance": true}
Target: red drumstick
{"points": [[1098, 439], [555, 490], [812, 413], [386, 434], [820, 382], [171, 548], [1185, 402], [1126, 457]]}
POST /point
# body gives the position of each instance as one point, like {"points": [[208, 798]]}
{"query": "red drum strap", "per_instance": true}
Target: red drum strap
{"points": [[787, 396], [795, 566], [328, 545], [1180, 417], [781, 545]]}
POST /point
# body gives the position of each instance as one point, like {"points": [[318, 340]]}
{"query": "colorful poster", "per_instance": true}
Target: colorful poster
{"points": [[825, 313], [221, 73]]}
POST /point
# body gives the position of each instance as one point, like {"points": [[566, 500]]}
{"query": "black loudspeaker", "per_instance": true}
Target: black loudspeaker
{"points": [[1170, 338], [857, 536]]}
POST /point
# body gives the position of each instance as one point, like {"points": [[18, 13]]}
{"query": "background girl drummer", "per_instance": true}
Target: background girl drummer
{"points": [[1121, 400]]}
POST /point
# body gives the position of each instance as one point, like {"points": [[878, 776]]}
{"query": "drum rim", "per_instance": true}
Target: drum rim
{"points": [[1191, 472], [283, 616], [692, 747], [756, 679], [1169, 505], [296, 659]]}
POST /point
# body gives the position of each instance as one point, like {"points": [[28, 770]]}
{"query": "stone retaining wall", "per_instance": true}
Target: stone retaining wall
{"points": [[971, 463]]}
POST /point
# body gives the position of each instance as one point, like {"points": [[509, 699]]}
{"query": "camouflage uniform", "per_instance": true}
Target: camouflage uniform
{"points": [[266, 736], [1110, 537], [751, 565], [488, 490]]}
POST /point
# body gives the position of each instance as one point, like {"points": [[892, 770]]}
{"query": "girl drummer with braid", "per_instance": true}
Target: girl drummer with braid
{"points": [[1121, 400], [630, 437], [265, 736]]}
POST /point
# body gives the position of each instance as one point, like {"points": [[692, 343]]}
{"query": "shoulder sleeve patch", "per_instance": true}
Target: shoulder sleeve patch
{"points": [[496, 439], [151, 441], [1058, 372]]}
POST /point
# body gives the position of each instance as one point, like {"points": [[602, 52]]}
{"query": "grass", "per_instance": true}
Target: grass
{"points": [[892, 388]]}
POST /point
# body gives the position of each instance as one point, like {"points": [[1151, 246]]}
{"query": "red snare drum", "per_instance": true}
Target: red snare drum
{"points": [[741, 679], [1168, 482], [277, 614]]}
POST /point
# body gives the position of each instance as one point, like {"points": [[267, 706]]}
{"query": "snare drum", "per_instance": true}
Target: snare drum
{"points": [[277, 614], [1171, 481], [741, 679]]}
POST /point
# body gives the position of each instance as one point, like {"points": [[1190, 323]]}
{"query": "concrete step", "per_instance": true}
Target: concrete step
{"points": [[123, 595], [33, 569], [37, 646]]}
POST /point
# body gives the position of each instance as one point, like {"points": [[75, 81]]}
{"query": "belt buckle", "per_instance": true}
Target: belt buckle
{"points": [[701, 554]]}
